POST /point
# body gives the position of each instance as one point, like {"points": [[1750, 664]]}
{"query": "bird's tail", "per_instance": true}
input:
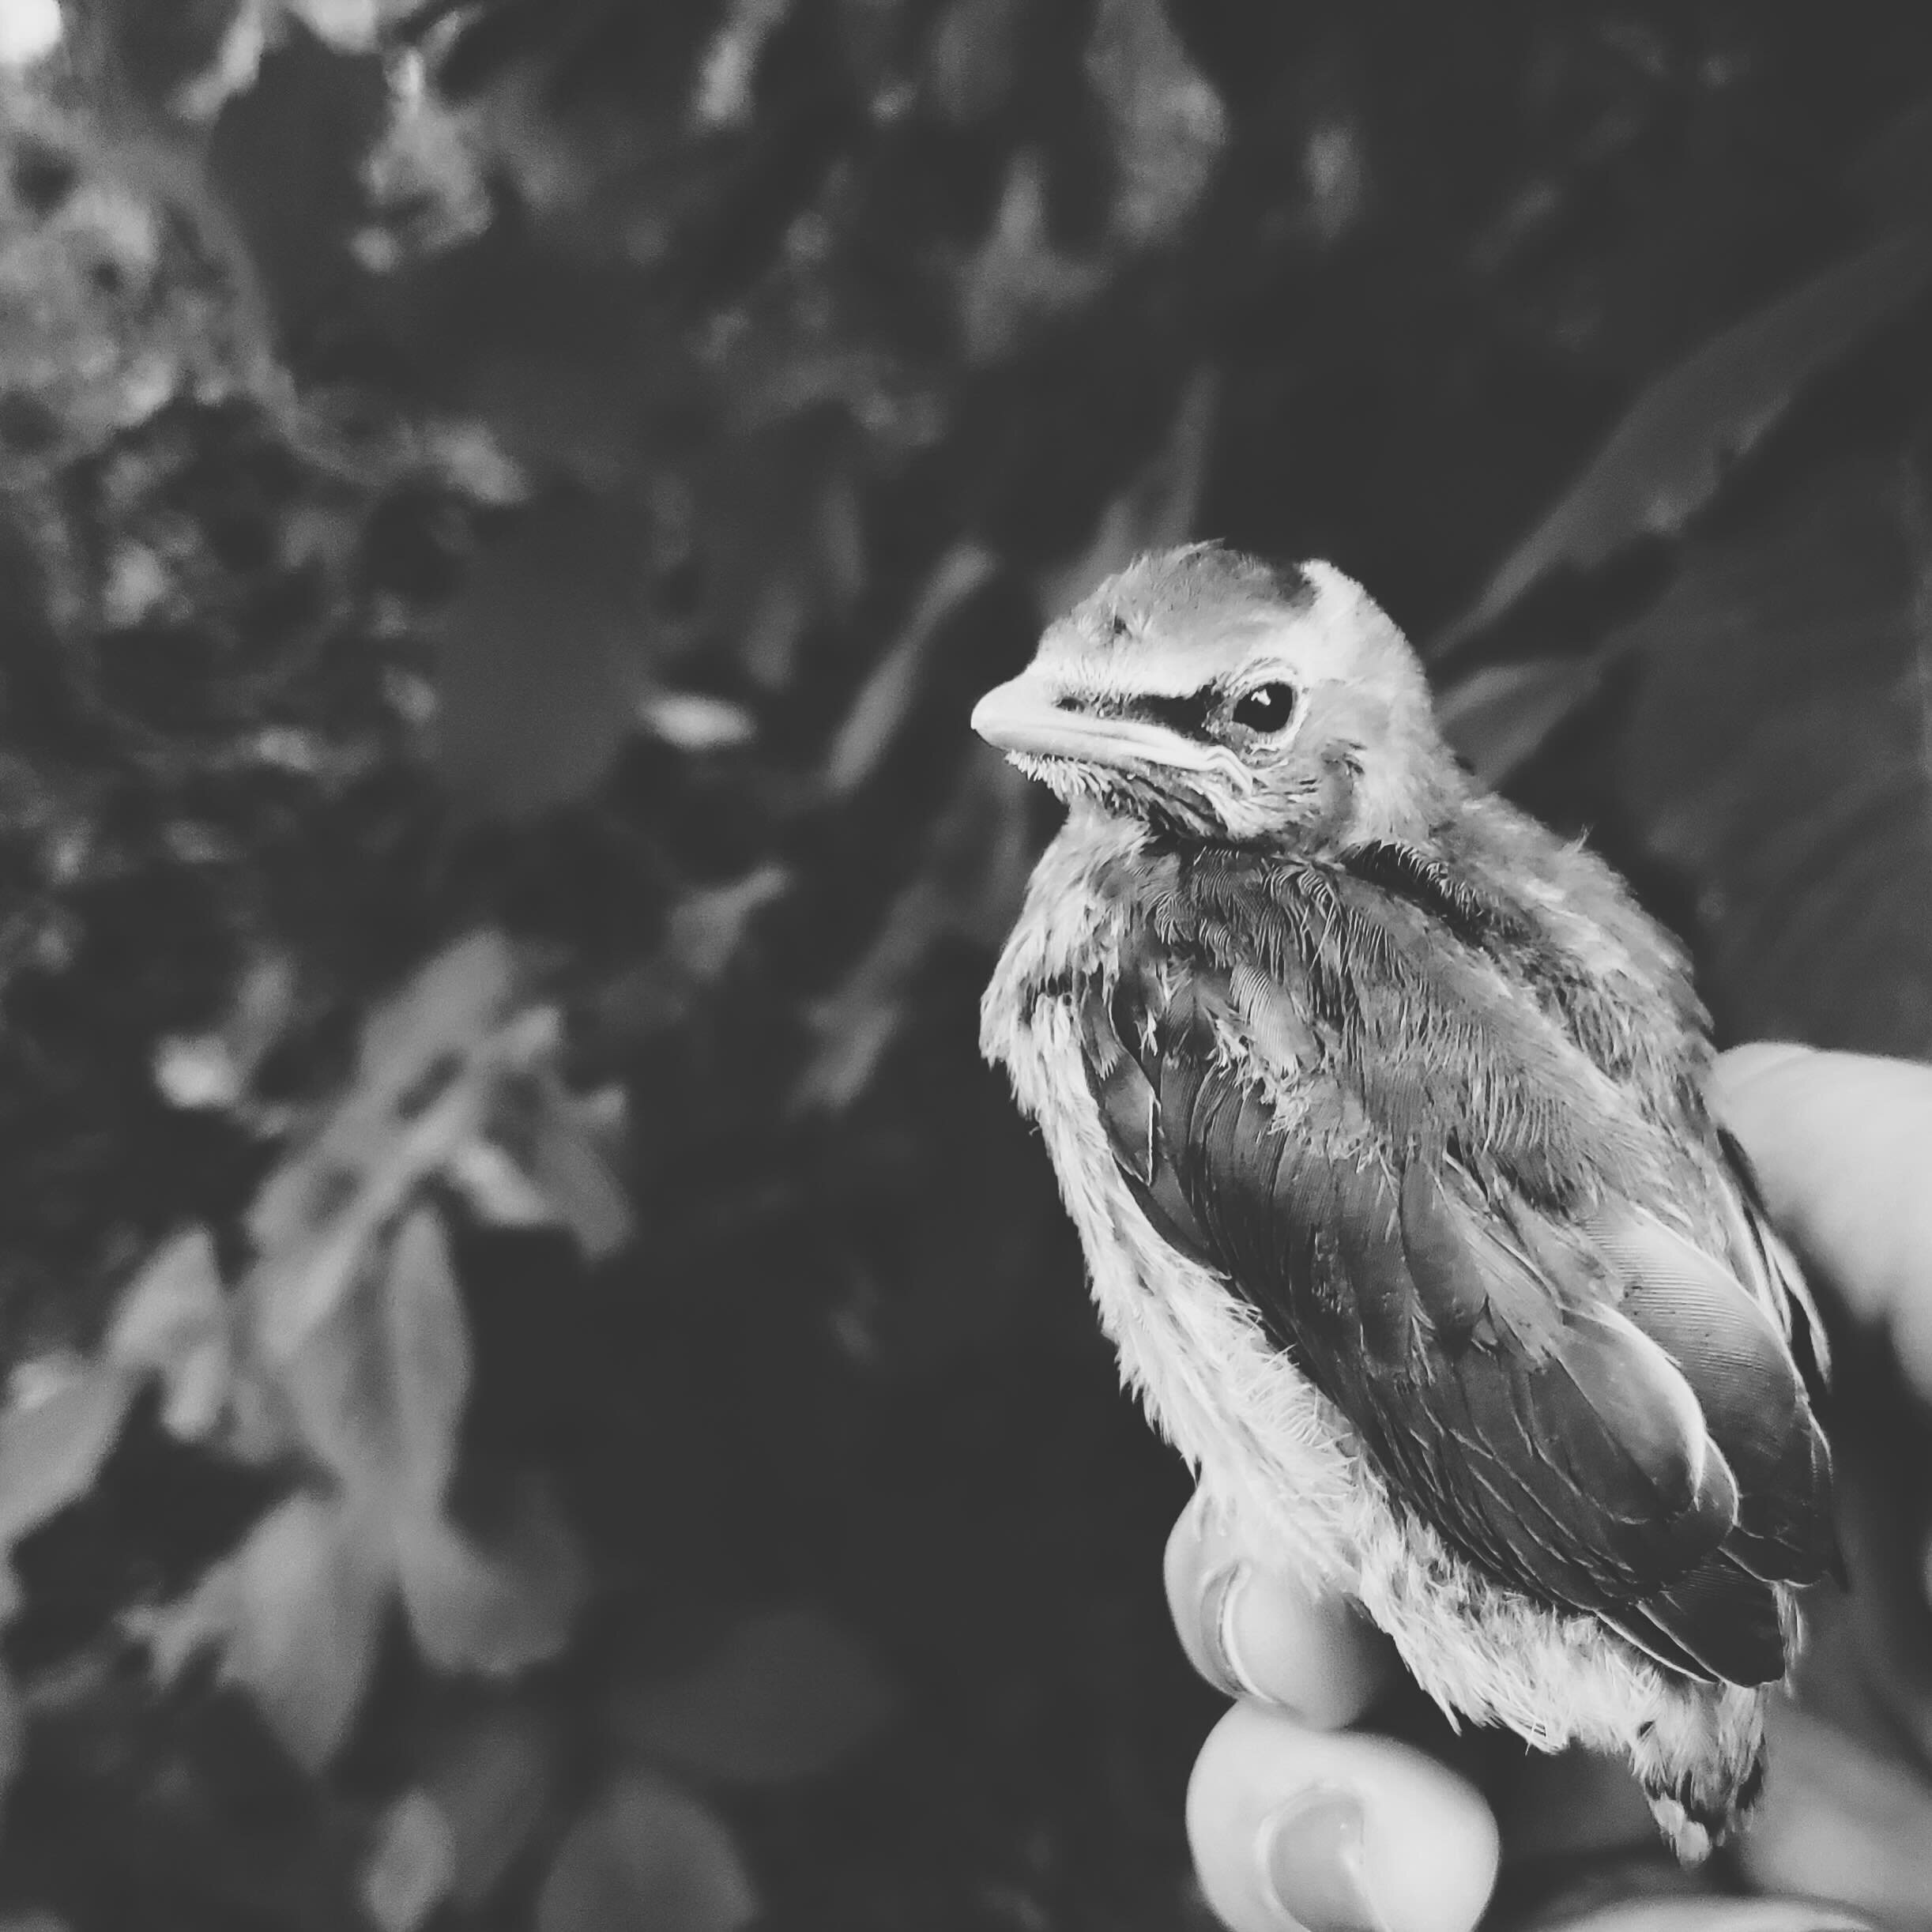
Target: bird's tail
{"points": [[1701, 1788]]}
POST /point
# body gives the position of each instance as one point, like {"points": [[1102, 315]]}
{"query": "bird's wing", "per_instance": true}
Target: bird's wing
{"points": [[1593, 1411]]}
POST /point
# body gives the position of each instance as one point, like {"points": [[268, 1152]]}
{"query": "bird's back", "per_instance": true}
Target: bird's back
{"points": [[1434, 1115], [1379, 1113]]}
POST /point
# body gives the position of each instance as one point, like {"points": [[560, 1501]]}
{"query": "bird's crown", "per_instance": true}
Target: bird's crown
{"points": [[1213, 693], [1197, 582]]}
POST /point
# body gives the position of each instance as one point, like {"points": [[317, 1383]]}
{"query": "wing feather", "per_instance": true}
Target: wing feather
{"points": [[1588, 1405]]}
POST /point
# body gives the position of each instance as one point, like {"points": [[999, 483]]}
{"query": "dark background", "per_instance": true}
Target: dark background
{"points": [[549, 1384]]}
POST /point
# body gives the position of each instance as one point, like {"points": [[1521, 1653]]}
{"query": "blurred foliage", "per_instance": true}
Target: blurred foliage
{"points": [[549, 1385]]}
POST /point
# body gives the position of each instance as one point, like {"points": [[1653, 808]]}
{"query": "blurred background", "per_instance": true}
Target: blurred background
{"points": [[549, 1386]]}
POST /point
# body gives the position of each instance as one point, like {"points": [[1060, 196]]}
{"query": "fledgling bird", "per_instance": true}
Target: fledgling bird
{"points": [[1379, 1112]]}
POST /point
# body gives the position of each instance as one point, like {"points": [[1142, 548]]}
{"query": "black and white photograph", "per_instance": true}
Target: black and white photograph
{"points": [[965, 966]]}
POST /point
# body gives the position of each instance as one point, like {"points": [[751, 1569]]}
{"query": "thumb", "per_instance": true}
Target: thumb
{"points": [[1843, 1144]]}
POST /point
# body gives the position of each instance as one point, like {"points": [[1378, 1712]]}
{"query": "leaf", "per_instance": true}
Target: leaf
{"points": [[855, 1029], [59, 1425], [356, 1340], [887, 696], [172, 1321], [1168, 124], [1777, 757], [429, 1349], [1498, 716], [379, 1389], [498, 1191], [447, 1006], [1157, 509], [781, 536], [708, 926], [351, 26], [1664, 459], [212, 1070], [1019, 276], [420, 1091], [697, 722], [788, 1695], [295, 1613], [492, 1777], [973, 58], [499, 1605], [725, 93], [286, 157], [28, 30], [412, 1868], [970, 881], [649, 1858], [545, 656], [570, 1166], [196, 1074], [566, 360]]}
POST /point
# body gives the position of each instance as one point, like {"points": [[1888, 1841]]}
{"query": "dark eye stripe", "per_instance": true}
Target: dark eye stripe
{"points": [[1188, 714]]}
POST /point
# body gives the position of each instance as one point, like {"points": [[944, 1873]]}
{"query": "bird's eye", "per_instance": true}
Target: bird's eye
{"points": [[1267, 707]]}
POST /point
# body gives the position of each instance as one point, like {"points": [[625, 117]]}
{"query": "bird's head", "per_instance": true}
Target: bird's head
{"points": [[1220, 698]]}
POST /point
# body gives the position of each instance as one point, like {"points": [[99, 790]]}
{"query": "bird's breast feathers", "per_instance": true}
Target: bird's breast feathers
{"points": [[1402, 1210]]}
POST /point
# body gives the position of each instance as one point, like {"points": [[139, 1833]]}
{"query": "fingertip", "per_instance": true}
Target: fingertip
{"points": [[1259, 1632], [1840, 1142], [1755, 1090], [1184, 1566], [1334, 1832], [1317, 1658], [1759, 1058]]}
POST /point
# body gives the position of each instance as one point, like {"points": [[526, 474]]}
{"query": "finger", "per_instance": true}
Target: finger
{"points": [[1840, 1821], [1700, 1911], [1842, 1143], [1334, 1832], [1256, 1631]]}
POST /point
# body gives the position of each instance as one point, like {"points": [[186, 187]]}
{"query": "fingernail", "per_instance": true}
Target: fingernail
{"points": [[1312, 1854], [1221, 1597]]}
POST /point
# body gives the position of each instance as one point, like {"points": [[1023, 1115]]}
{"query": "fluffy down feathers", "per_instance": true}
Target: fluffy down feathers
{"points": [[1450, 1245], [1378, 1111]]}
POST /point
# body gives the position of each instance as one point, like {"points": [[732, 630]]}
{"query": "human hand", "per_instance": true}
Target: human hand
{"points": [[1296, 1820]]}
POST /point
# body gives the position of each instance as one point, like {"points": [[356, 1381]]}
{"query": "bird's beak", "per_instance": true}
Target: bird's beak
{"points": [[1023, 715]]}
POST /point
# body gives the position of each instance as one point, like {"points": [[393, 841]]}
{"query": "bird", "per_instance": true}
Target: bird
{"points": [[1379, 1110]]}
